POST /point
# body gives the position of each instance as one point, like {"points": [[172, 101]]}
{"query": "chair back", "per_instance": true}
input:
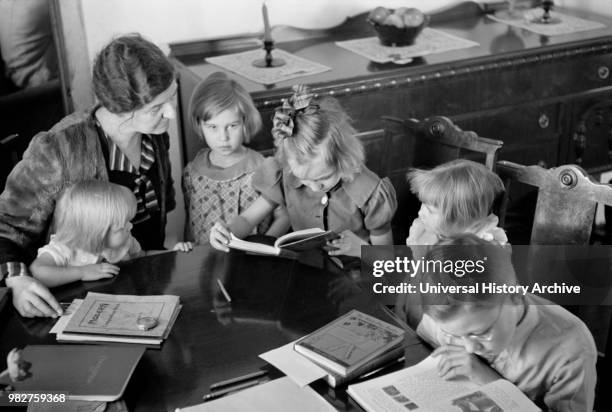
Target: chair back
{"points": [[427, 143], [566, 201]]}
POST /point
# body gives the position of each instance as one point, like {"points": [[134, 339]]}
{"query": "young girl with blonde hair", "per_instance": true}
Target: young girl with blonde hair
{"points": [[217, 182], [319, 175], [92, 232], [456, 197]]}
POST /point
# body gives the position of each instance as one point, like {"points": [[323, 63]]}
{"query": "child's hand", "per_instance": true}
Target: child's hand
{"points": [[183, 247], [347, 244], [420, 235], [220, 237], [456, 361], [98, 271], [18, 368]]}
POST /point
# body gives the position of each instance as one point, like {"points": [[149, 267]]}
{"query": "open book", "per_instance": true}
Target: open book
{"points": [[420, 388], [287, 245], [351, 343]]}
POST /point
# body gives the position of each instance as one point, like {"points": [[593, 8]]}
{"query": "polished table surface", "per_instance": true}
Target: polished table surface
{"points": [[274, 301]]}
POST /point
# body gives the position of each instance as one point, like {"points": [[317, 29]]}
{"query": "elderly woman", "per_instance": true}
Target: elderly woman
{"points": [[123, 140]]}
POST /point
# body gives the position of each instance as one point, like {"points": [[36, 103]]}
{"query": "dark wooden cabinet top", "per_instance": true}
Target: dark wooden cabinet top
{"points": [[352, 73]]}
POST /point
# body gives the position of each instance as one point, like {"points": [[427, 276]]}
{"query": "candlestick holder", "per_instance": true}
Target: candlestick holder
{"points": [[268, 60], [546, 18]]}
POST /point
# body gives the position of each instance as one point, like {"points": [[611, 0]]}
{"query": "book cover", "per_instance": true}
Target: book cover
{"points": [[349, 342], [420, 387], [83, 372], [334, 379], [121, 315], [59, 330], [287, 245]]}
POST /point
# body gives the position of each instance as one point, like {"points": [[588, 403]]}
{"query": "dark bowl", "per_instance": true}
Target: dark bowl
{"points": [[390, 35]]}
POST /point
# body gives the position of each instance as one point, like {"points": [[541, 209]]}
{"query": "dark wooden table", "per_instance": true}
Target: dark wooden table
{"points": [[274, 301]]}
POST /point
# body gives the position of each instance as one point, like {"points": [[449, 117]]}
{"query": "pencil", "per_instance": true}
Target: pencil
{"points": [[227, 296]]}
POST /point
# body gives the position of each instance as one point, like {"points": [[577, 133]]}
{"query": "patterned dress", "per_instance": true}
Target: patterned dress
{"points": [[218, 194]]}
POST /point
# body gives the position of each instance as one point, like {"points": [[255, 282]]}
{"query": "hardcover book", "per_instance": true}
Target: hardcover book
{"points": [[62, 336], [350, 342], [287, 245], [420, 388], [83, 372], [123, 315]]}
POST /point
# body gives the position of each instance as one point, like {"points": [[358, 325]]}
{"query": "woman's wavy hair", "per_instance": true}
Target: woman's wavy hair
{"points": [[129, 73]]}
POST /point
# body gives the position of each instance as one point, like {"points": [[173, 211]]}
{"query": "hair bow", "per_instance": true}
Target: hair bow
{"points": [[284, 117]]}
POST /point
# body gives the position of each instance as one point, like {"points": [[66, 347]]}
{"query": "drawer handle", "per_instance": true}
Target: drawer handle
{"points": [[543, 121], [603, 72]]}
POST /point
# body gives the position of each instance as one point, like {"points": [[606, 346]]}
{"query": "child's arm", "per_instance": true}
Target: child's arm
{"points": [[349, 244], [242, 225], [50, 274], [281, 224]]}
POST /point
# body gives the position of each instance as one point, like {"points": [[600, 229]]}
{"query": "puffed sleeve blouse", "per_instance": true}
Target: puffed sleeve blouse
{"points": [[364, 205]]}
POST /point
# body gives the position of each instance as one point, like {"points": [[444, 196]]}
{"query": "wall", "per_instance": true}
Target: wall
{"points": [[166, 21]]}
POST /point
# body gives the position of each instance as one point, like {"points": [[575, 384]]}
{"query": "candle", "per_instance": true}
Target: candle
{"points": [[267, 33]]}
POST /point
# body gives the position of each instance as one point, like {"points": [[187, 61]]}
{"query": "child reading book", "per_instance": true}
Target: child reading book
{"points": [[539, 346], [456, 197], [92, 232], [217, 182], [319, 175]]}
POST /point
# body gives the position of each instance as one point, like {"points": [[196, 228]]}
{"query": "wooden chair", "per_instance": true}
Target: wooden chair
{"points": [[567, 199], [566, 202], [426, 144]]}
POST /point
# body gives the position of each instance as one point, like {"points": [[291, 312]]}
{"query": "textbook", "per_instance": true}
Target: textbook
{"points": [[334, 379], [124, 315], [83, 372], [62, 336], [350, 342], [420, 388], [287, 245]]}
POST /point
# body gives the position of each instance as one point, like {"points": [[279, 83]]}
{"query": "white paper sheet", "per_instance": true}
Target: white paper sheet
{"points": [[279, 395], [301, 370]]}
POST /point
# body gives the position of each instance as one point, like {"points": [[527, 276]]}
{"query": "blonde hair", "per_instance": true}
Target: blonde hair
{"points": [[324, 129], [217, 93], [463, 190], [87, 211]]}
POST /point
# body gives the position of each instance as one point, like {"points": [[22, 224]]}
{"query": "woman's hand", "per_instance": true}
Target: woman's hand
{"points": [[98, 271], [220, 237], [347, 244], [456, 361], [31, 298], [183, 247]]}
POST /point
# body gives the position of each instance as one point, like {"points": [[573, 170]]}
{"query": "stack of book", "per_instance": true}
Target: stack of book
{"points": [[351, 346], [101, 318]]}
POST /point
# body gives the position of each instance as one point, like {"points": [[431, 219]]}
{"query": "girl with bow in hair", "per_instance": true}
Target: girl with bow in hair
{"points": [[319, 175]]}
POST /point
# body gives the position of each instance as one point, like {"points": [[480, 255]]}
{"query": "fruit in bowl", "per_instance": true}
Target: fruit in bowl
{"points": [[399, 27]]}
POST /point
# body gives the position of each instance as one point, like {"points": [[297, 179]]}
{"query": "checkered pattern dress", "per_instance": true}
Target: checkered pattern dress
{"points": [[213, 194]]}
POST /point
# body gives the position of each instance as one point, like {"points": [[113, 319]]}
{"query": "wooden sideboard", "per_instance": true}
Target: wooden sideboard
{"points": [[548, 98]]}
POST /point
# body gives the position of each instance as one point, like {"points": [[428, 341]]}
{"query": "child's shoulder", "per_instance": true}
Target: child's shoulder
{"points": [[365, 184], [200, 160]]}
